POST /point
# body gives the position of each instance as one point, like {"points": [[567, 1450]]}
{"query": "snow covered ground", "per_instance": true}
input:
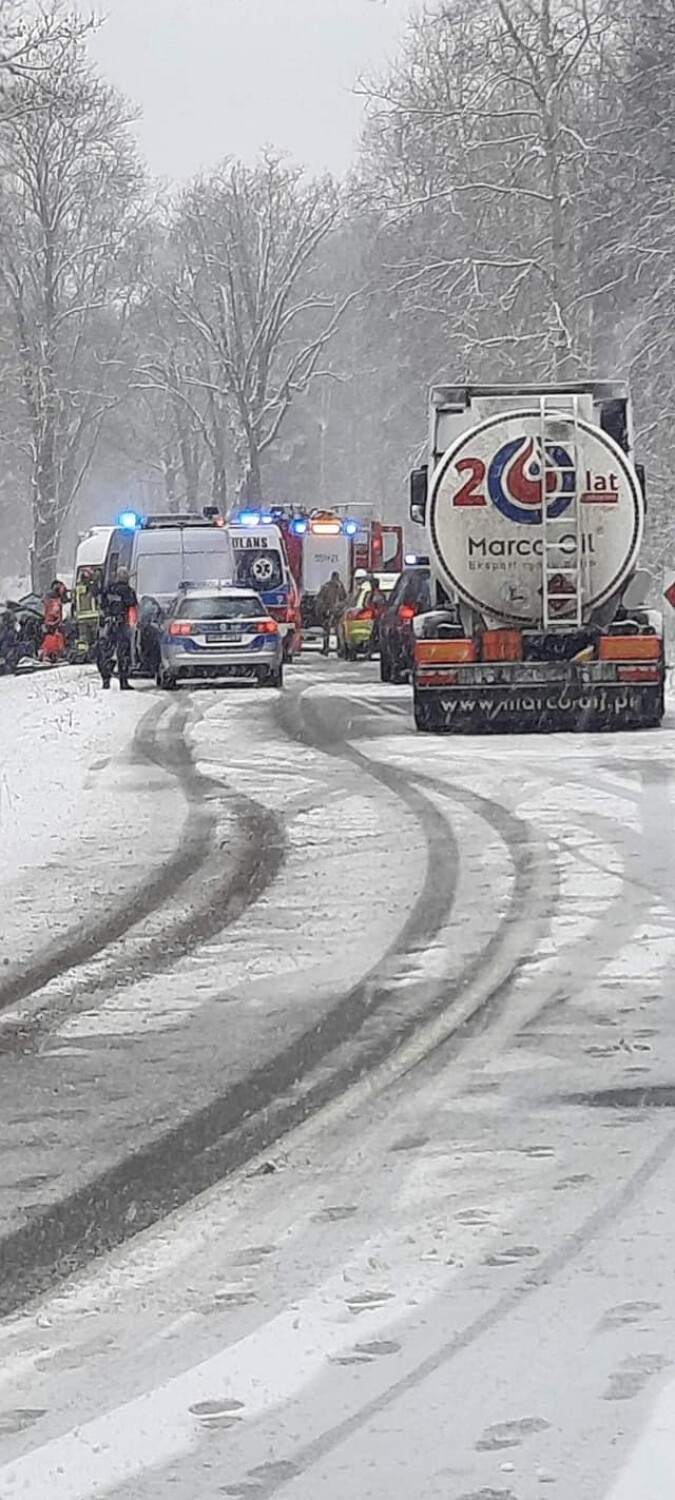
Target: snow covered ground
{"points": [[84, 818], [456, 1282]]}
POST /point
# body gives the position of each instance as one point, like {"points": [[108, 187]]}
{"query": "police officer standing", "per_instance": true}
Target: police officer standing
{"points": [[118, 610]]}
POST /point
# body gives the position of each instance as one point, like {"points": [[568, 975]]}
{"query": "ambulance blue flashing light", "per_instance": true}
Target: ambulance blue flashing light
{"points": [[248, 518], [299, 526], [128, 520], [350, 528], [410, 559]]}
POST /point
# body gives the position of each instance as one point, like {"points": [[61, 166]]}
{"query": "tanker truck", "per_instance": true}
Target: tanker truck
{"points": [[534, 513]]}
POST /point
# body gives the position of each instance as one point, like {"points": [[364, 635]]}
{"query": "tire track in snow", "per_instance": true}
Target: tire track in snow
{"points": [[360, 1033], [85, 944], [90, 965]]}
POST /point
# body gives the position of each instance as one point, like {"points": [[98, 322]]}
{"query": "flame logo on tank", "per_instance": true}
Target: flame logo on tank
{"points": [[514, 480]]}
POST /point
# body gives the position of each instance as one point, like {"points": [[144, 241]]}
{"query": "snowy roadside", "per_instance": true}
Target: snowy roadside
{"points": [[81, 823]]}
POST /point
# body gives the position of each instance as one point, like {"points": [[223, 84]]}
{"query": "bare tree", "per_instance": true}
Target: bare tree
{"points": [[32, 43], [69, 210], [187, 419], [479, 142], [250, 295]]}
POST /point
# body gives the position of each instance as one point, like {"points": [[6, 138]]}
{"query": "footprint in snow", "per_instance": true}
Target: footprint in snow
{"points": [[222, 1412], [410, 1143], [626, 1312], [361, 1301], [633, 1375], [512, 1255], [254, 1254], [488, 1495], [510, 1434], [19, 1419], [333, 1214]]}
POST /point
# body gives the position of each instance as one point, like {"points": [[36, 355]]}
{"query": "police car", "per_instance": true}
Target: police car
{"points": [[219, 632]]}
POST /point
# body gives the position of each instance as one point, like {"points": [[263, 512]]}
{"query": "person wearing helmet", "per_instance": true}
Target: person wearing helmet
{"points": [[85, 610], [117, 618]]}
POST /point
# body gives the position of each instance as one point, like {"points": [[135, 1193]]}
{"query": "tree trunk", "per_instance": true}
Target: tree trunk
{"points": [[45, 535], [170, 485], [219, 485], [252, 491], [551, 123]]}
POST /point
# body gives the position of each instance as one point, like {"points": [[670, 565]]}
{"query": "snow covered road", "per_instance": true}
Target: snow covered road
{"points": [[453, 1281]]}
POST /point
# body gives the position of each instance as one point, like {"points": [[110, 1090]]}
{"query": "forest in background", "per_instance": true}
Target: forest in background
{"points": [[261, 335]]}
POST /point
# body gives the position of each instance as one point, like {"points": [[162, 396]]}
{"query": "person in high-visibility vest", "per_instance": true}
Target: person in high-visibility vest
{"points": [[85, 605]]}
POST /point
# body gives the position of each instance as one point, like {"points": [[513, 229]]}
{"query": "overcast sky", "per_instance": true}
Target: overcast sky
{"points": [[225, 77]]}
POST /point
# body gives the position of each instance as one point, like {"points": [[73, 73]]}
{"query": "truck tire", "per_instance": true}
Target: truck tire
{"points": [[423, 724]]}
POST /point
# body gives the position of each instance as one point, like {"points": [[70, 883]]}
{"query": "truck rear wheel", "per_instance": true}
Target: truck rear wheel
{"points": [[421, 715]]}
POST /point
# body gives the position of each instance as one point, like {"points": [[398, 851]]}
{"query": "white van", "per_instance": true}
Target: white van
{"points": [[163, 554]]}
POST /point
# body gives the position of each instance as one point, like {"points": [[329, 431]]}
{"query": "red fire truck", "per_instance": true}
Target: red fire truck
{"points": [[321, 542]]}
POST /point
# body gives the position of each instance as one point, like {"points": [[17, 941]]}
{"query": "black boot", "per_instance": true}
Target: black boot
{"points": [[125, 687], [105, 683]]}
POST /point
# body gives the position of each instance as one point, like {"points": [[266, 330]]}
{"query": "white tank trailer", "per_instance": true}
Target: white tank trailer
{"points": [[534, 511]]}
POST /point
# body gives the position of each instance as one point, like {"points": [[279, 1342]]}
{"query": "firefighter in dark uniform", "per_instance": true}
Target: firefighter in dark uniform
{"points": [[118, 612]]}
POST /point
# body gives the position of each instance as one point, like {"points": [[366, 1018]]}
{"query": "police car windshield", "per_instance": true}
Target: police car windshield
{"points": [[260, 568], [221, 609]]}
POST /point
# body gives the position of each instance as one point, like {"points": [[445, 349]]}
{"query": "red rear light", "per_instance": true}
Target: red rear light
{"points": [[407, 612], [180, 627], [639, 674], [267, 627], [439, 678]]}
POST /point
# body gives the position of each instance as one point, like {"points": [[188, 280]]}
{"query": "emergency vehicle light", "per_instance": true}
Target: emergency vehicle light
{"points": [[410, 559], [299, 527], [350, 528], [325, 527], [128, 520]]}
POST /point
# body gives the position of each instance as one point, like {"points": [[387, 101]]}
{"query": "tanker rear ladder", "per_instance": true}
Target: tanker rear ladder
{"points": [[551, 416]]}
